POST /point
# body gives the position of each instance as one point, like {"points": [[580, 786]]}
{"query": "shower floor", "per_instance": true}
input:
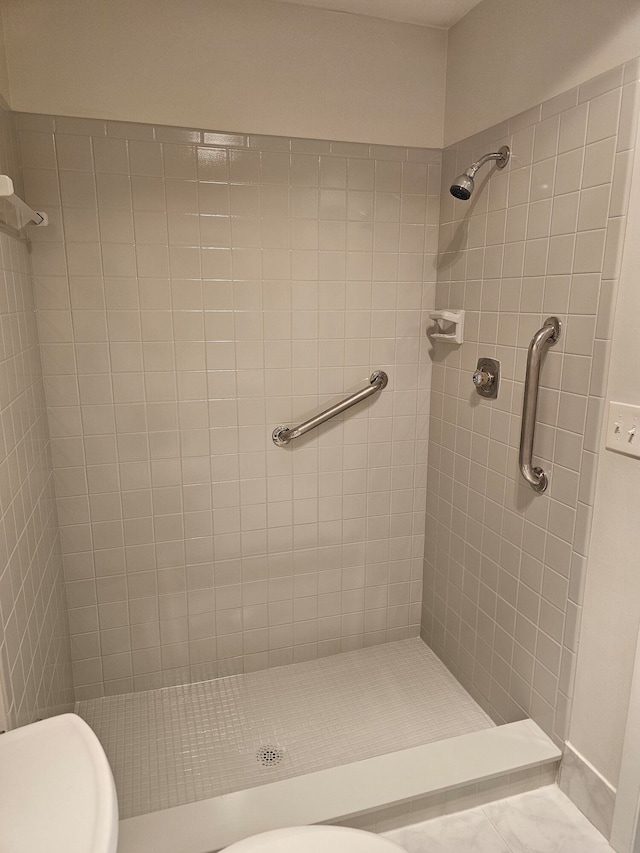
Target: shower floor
{"points": [[181, 744]]}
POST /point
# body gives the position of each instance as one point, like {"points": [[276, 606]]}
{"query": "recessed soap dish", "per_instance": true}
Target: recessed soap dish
{"points": [[449, 326]]}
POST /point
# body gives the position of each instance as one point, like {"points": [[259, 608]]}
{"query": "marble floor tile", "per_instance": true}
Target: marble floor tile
{"points": [[544, 821], [469, 830], [540, 821]]}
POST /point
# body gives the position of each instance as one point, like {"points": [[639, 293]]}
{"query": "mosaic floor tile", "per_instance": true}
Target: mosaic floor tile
{"points": [[181, 744]]}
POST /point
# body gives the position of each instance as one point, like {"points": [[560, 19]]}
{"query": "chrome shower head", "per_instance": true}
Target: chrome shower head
{"points": [[463, 185]]}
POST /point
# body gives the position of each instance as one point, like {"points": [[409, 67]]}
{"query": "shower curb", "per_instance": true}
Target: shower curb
{"points": [[340, 792]]}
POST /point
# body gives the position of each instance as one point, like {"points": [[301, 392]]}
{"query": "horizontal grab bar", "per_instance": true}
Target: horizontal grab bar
{"points": [[541, 341], [282, 435]]}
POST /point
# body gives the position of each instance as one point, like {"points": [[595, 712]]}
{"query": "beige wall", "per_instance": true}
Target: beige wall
{"points": [[4, 72], [505, 57], [612, 596], [252, 66], [283, 69]]}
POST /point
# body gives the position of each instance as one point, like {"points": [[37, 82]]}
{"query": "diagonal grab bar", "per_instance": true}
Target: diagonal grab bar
{"points": [[541, 341], [282, 435]]}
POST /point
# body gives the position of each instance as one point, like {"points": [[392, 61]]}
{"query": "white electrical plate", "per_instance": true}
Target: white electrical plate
{"points": [[623, 429]]}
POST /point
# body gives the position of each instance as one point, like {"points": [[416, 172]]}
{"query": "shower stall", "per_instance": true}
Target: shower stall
{"points": [[321, 561]]}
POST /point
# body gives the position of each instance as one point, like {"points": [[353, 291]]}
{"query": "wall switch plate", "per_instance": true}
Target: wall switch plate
{"points": [[623, 429]]}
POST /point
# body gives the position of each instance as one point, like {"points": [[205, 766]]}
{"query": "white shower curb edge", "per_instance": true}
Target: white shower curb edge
{"points": [[340, 792]]}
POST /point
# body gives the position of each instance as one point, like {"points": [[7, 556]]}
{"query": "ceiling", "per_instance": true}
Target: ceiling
{"points": [[428, 13]]}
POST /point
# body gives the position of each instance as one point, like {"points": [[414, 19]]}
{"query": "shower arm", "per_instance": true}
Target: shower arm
{"points": [[473, 168]]}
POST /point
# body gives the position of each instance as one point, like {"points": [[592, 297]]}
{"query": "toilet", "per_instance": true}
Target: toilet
{"points": [[314, 839]]}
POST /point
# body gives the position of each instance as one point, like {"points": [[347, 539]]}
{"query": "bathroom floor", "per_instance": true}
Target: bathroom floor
{"points": [[180, 744], [540, 821]]}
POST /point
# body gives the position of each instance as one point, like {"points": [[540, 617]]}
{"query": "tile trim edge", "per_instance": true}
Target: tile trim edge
{"points": [[587, 789]]}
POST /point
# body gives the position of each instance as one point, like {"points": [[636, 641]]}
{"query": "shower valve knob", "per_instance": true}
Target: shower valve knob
{"points": [[487, 377], [483, 379]]}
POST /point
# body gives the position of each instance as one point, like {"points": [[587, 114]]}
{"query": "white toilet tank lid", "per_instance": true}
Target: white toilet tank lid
{"points": [[56, 790]]}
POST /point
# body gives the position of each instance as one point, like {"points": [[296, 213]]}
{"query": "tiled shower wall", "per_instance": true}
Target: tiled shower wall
{"points": [[35, 664], [194, 291], [504, 567]]}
